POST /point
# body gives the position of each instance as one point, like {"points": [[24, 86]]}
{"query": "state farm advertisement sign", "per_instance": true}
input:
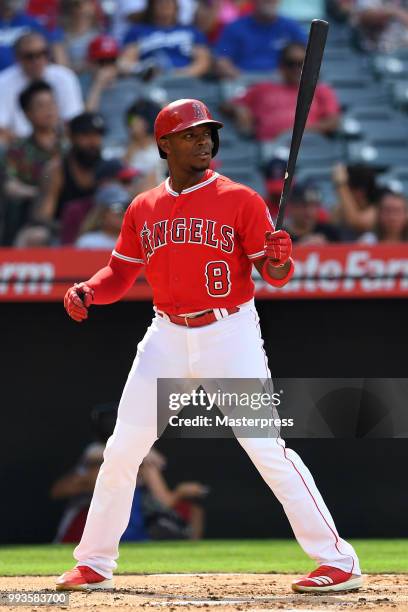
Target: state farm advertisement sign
{"points": [[346, 271]]}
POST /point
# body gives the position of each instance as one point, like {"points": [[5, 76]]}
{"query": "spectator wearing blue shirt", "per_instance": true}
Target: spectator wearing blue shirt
{"points": [[13, 24], [253, 43], [172, 47]]}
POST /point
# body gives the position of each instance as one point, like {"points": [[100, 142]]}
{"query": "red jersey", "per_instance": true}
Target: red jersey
{"points": [[198, 246], [273, 106]]}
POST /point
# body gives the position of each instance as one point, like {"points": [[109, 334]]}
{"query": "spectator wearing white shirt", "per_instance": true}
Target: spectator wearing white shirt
{"points": [[33, 64], [101, 227]]}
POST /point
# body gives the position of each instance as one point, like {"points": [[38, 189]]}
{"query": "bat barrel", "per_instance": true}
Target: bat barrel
{"points": [[307, 87]]}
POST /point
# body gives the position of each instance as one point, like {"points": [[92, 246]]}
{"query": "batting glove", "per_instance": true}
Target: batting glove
{"points": [[77, 301], [278, 247]]}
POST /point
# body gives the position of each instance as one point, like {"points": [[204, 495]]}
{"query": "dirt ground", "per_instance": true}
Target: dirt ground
{"points": [[225, 592]]}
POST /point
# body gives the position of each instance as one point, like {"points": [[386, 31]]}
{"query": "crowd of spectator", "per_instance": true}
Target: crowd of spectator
{"points": [[60, 61]]}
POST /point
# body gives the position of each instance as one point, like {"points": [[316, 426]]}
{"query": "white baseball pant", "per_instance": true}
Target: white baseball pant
{"points": [[230, 348]]}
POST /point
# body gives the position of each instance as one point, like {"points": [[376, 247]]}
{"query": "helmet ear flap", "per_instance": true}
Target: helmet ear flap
{"points": [[216, 142], [162, 154]]}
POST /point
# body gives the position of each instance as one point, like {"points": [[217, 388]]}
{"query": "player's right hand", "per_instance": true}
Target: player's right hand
{"points": [[77, 301]]}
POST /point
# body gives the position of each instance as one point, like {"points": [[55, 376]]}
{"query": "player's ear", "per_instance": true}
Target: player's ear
{"points": [[164, 144]]}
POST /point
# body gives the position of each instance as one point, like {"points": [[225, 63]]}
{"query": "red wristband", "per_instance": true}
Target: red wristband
{"points": [[277, 282]]}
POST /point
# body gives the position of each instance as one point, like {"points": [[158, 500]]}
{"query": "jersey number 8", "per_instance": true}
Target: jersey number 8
{"points": [[217, 274]]}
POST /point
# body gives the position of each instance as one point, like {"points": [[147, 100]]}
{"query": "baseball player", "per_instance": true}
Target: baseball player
{"points": [[197, 234]]}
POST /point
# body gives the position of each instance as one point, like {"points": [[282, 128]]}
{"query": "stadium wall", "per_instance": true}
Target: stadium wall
{"points": [[54, 371]]}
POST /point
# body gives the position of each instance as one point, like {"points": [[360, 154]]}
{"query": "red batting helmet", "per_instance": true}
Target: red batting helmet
{"points": [[182, 114]]}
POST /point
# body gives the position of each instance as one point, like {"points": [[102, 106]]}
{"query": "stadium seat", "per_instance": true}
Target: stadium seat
{"points": [[245, 151], [115, 101], [399, 92], [378, 155], [247, 176], [235, 87], [342, 69], [388, 180], [185, 87], [338, 37], [396, 179], [315, 150], [359, 93], [380, 125], [390, 67]]}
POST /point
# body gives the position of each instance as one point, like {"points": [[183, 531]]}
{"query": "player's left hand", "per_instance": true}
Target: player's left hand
{"points": [[278, 247]]}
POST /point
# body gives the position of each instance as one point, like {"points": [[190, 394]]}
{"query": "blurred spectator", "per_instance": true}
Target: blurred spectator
{"points": [[169, 513], [14, 22], [179, 49], [80, 21], [274, 173], [101, 227], [33, 236], [382, 24], [33, 64], [102, 54], [268, 109], [340, 10], [392, 225], [142, 153], [357, 192], [111, 177], [77, 486], [128, 12], [158, 512], [27, 158], [45, 11], [213, 15], [118, 172], [73, 178], [115, 171], [253, 43], [303, 218]]}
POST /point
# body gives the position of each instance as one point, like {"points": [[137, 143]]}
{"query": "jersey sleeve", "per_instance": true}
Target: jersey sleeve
{"points": [[128, 247], [254, 219]]}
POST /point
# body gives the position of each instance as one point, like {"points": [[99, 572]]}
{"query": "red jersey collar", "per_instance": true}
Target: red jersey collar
{"points": [[210, 176]]}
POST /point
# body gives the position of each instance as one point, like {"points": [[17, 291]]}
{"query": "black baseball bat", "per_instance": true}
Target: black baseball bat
{"points": [[308, 82]]}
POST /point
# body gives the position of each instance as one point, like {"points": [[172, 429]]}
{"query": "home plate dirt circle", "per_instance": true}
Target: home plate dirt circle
{"points": [[222, 592]]}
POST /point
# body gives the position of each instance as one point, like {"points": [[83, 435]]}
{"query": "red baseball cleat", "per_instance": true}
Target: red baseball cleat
{"points": [[82, 578], [326, 579]]}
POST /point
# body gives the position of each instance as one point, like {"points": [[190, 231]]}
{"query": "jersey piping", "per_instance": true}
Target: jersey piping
{"points": [[189, 189], [126, 258]]}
